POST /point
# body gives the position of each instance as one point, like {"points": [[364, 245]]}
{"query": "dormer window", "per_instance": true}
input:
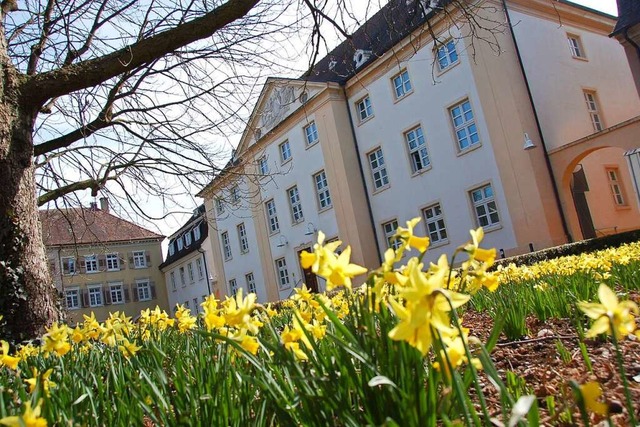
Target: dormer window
{"points": [[360, 57], [180, 243], [196, 233], [172, 249], [187, 238]]}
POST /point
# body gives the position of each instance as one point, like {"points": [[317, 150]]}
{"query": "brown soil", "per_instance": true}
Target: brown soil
{"points": [[537, 359]]}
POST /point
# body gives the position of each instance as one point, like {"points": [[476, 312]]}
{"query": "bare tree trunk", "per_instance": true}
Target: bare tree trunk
{"points": [[26, 305]]}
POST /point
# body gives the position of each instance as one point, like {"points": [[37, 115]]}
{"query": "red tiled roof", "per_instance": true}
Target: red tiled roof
{"points": [[86, 226]]}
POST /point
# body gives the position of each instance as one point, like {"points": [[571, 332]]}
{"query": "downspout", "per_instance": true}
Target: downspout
{"points": [[554, 184], [364, 182], [206, 271]]}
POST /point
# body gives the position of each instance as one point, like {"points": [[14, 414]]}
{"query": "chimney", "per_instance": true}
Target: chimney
{"points": [[104, 204], [93, 206]]}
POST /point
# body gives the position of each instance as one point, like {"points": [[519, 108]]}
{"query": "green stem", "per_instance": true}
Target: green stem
{"points": [[627, 393]]}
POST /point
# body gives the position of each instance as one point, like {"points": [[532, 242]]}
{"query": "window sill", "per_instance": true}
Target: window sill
{"points": [[622, 207], [438, 244], [325, 209], [143, 300], [300, 221], [363, 121], [284, 162], [381, 189], [451, 66], [273, 233], [580, 58], [491, 228], [397, 99], [469, 149], [313, 144], [73, 308], [421, 171]]}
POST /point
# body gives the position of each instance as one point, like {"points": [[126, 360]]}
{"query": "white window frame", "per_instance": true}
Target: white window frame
{"points": [[593, 107], [447, 55], [183, 279], [219, 206], [285, 151], [379, 175], [70, 295], [251, 283], [187, 238], [174, 286], [434, 224], [116, 289], [93, 261], [615, 184], [234, 194], [272, 216], [263, 165], [364, 109], [192, 276], [233, 287], [311, 133], [71, 263], [180, 243], [226, 245], [401, 84], [575, 46], [113, 261], [199, 268], [418, 151], [196, 233], [389, 229], [487, 203], [464, 125], [283, 273], [95, 290], [295, 205], [242, 238], [139, 259], [143, 286], [323, 196], [172, 248]]}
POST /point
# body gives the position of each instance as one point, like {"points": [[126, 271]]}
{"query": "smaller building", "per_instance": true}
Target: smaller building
{"points": [[188, 268], [102, 263]]}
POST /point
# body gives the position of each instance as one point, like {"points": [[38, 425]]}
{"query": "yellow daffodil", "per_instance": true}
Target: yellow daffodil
{"points": [[30, 417], [211, 313], [56, 340], [290, 338], [610, 311], [340, 271], [44, 379], [186, 321], [410, 239], [128, 348], [316, 259], [474, 250], [237, 311], [10, 362], [591, 393]]}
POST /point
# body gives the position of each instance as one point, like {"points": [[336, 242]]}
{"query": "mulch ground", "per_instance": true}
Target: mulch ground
{"points": [[537, 359]]}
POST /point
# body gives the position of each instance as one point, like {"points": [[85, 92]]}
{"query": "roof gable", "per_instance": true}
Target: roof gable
{"points": [[628, 15]]}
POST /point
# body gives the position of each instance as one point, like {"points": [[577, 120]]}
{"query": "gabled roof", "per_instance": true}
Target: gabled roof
{"points": [[81, 226], [628, 15], [199, 220]]}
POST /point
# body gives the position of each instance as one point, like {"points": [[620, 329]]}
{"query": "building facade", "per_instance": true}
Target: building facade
{"points": [[101, 263], [188, 269], [521, 131]]}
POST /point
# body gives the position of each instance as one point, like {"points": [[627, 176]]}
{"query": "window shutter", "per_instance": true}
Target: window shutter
{"points": [[52, 267], [65, 266], [152, 285], [131, 260], [64, 300], [134, 291], [148, 259], [101, 263], [107, 296], [121, 262], [83, 266], [85, 298], [126, 293]]}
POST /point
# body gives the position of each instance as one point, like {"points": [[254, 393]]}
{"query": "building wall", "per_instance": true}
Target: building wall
{"points": [[192, 292], [128, 275]]}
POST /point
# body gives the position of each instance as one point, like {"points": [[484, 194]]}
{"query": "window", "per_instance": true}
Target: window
{"points": [[285, 151], [485, 206], [272, 216], [172, 249], [191, 276], [464, 125], [195, 305], [594, 111], [434, 221], [173, 280], [251, 283], [295, 204], [575, 46], [264, 165], [401, 84], [219, 206], [233, 287], [196, 233], [283, 273], [139, 259], [183, 282], [116, 293], [447, 55], [613, 175], [389, 229], [95, 296], [242, 237], [417, 150], [378, 169], [72, 297], [234, 192], [143, 288], [187, 238], [113, 262], [180, 243], [322, 190], [68, 265], [226, 246], [364, 108], [91, 263], [311, 133], [199, 267]]}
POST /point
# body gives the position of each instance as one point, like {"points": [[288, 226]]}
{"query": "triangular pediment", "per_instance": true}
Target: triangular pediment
{"points": [[278, 100]]}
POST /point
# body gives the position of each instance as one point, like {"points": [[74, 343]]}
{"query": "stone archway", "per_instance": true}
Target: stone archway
{"points": [[604, 153]]}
